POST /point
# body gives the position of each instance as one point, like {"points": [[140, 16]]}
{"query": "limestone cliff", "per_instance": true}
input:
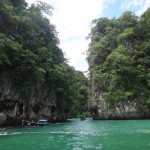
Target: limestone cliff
{"points": [[14, 107], [119, 67], [101, 109]]}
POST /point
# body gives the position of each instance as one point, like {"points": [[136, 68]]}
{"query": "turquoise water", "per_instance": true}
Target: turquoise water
{"points": [[80, 135]]}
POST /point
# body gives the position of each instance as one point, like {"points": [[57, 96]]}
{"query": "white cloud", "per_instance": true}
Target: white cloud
{"points": [[141, 5], [72, 19], [110, 1], [145, 6], [131, 3], [75, 50]]}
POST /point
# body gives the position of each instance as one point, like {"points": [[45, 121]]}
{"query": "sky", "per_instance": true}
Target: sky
{"points": [[73, 18]]}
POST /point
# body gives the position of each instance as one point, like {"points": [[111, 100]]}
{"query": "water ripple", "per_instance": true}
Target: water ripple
{"points": [[59, 132]]}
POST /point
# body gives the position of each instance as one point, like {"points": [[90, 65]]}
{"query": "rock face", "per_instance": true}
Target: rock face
{"points": [[101, 109], [14, 106]]}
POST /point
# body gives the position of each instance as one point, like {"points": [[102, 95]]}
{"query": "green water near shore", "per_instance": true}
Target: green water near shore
{"points": [[80, 135]]}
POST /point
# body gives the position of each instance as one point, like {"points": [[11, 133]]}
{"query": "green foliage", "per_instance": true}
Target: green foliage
{"points": [[3, 56], [85, 115], [30, 56], [80, 95], [119, 57], [44, 7]]}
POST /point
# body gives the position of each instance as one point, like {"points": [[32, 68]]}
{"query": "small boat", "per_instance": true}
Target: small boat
{"points": [[43, 122], [83, 118]]}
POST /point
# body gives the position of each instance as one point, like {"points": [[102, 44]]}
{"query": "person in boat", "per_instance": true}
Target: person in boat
{"points": [[28, 123], [22, 122]]}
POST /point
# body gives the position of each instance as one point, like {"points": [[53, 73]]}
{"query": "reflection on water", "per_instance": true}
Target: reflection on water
{"points": [[79, 135]]}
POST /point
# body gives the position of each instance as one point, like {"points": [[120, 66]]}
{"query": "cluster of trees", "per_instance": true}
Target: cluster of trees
{"points": [[80, 105], [119, 57], [29, 55]]}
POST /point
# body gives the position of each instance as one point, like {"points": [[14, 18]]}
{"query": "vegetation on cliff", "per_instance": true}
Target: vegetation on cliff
{"points": [[119, 58], [30, 57]]}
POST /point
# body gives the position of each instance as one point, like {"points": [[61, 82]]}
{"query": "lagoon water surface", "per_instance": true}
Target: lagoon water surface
{"points": [[79, 135]]}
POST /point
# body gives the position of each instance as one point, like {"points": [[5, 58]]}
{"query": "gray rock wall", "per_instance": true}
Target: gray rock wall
{"points": [[101, 109], [40, 104]]}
